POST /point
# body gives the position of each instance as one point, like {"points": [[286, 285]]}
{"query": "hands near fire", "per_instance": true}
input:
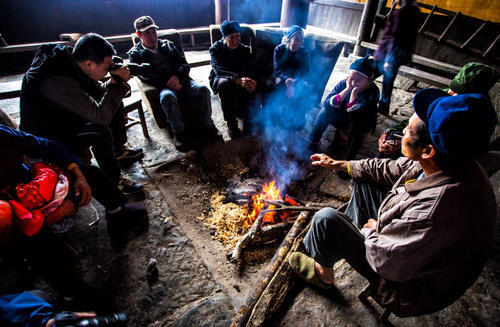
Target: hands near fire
{"points": [[371, 223], [173, 83], [248, 83], [290, 87], [83, 192], [323, 160], [388, 146]]}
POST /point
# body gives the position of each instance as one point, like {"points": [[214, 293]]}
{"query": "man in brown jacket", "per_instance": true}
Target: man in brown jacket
{"points": [[434, 228]]}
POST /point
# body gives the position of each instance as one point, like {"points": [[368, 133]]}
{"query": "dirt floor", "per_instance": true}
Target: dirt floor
{"points": [[197, 285]]}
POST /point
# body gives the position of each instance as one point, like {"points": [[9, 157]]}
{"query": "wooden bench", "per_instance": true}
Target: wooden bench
{"points": [[421, 75]]}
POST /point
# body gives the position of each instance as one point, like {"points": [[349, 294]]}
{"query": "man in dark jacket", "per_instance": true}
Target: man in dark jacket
{"points": [[434, 229], [231, 77], [170, 75], [63, 99]]}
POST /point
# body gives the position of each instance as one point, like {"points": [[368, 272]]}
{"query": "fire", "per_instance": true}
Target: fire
{"points": [[269, 192]]}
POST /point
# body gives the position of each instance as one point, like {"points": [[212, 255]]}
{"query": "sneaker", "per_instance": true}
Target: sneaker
{"points": [[132, 218], [129, 156], [128, 186]]}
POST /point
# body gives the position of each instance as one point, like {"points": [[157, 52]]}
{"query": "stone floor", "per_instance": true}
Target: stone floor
{"points": [[197, 285]]}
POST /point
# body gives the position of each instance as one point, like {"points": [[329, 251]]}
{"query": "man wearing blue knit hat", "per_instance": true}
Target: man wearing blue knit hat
{"points": [[233, 77], [434, 229]]}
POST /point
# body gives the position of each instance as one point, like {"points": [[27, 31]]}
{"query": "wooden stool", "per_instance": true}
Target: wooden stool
{"points": [[368, 291], [136, 104]]}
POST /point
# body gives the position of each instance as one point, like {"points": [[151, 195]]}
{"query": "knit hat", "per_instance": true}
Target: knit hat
{"points": [[459, 126], [364, 66], [474, 77], [292, 30], [144, 23], [229, 27]]}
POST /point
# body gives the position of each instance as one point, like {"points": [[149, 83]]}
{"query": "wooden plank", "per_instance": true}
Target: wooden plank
{"points": [[431, 63], [10, 89], [421, 76], [491, 46]]}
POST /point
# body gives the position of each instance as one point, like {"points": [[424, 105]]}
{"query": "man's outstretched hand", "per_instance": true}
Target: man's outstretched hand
{"points": [[323, 160]]}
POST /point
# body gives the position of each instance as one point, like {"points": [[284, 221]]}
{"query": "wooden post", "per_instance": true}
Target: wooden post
{"points": [[294, 12], [365, 26], [221, 11]]}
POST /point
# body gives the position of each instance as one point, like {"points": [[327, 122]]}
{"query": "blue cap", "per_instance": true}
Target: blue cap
{"points": [[364, 66], [229, 27], [292, 30], [460, 126]]}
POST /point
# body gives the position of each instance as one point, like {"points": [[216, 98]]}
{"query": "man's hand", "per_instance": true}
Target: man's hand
{"points": [[388, 147], [349, 84], [371, 223], [123, 73], [248, 83], [82, 188], [173, 83], [323, 160]]}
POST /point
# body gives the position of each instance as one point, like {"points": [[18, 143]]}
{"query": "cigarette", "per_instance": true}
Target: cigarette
{"points": [[397, 136]]}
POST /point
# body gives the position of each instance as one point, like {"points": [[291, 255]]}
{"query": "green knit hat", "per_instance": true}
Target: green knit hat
{"points": [[474, 77]]}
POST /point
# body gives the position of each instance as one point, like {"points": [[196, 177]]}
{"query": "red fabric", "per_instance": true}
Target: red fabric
{"points": [[31, 198]]}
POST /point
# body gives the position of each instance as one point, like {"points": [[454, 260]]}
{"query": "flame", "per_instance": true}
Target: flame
{"points": [[269, 192]]}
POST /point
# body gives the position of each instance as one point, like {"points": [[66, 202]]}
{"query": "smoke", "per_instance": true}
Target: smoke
{"points": [[285, 124]]}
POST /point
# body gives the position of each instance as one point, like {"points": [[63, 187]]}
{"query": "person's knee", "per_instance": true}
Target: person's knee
{"points": [[6, 222], [167, 97], [325, 216]]}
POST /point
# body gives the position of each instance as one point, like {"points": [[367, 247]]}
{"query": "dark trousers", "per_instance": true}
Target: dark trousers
{"points": [[49, 256], [364, 202], [191, 103], [388, 79], [105, 142], [103, 188], [340, 120], [235, 101], [332, 236]]}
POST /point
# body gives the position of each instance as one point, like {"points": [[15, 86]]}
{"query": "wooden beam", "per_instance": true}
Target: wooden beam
{"points": [[427, 19], [491, 46], [449, 26], [474, 34]]}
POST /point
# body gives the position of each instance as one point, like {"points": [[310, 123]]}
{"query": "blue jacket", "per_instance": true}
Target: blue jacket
{"points": [[15, 144], [24, 309]]}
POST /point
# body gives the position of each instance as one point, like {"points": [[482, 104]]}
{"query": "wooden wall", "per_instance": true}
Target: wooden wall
{"points": [[24, 21], [335, 15]]}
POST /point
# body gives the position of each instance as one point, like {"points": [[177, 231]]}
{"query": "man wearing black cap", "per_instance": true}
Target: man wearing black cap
{"points": [[434, 228], [171, 78], [232, 77]]}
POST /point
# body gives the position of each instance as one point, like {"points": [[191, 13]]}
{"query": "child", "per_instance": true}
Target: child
{"points": [[351, 106]]}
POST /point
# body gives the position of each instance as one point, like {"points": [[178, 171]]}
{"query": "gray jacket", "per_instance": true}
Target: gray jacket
{"points": [[433, 235]]}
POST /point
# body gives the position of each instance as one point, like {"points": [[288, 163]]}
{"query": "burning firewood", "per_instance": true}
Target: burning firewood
{"points": [[254, 312], [250, 235]]}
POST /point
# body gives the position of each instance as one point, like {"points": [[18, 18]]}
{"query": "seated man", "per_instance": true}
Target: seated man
{"points": [[351, 106], [231, 77], [170, 75], [27, 235], [435, 227], [63, 99]]}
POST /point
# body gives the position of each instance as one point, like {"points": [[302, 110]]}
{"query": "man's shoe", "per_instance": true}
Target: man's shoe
{"points": [[181, 143], [131, 218], [213, 134], [303, 266], [129, 156], [129, 187]]}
